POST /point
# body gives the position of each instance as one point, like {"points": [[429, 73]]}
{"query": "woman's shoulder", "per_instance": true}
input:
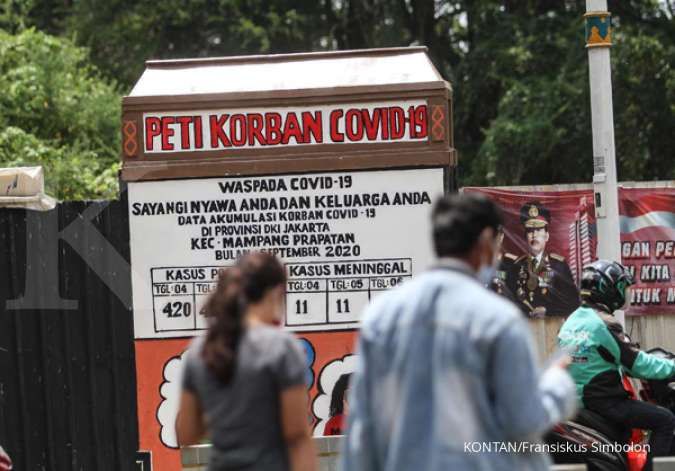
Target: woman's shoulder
{"points": [[193, 352], [196, 344], [272, 336], [276, 343]]}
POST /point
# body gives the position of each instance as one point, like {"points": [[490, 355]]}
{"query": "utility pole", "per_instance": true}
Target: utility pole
{"points": [[605, 190]]}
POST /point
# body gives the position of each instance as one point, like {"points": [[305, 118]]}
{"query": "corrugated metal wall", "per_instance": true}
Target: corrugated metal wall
{"points": [[67, 375]]}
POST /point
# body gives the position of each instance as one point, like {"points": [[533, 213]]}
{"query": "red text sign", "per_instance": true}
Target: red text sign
{"points": [[257, 128]]}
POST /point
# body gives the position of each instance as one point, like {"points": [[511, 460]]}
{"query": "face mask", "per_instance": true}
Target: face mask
{"points": [[488, 271], [486, 274]]}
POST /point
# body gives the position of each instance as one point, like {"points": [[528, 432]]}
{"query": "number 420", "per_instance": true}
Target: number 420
{"points": [[177, 309]]}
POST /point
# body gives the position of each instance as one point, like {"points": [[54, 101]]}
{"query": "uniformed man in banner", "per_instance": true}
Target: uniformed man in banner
{"points": [[504, 268], [541, 280]]}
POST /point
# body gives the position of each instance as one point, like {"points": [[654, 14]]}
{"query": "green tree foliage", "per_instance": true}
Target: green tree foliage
{"points": [[122, 34], [56, 111], [520, 77], [541, 131], [518, 67]]}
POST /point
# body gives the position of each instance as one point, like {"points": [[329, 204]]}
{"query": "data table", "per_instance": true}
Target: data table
{"points": [[318, 294], [178, 295], [340, 294]]}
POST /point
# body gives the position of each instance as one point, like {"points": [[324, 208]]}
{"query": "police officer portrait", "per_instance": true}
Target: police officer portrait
{"points": [[505, 260], [541, 280]]}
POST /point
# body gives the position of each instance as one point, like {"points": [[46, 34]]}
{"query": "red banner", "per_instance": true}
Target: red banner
{"points": [[648, 247], [550, 235]]}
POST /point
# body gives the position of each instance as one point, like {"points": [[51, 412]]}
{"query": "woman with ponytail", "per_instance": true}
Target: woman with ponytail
{"points": [[243, 382]]}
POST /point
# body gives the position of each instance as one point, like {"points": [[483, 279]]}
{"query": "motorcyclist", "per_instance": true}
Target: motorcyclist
{"points": [[601, 351]]}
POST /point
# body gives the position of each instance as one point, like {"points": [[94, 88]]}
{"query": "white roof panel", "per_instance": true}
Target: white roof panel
{"points": [[286, 72]]}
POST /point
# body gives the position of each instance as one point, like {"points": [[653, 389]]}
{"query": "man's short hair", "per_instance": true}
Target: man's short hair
{"points": [[458, 221]]}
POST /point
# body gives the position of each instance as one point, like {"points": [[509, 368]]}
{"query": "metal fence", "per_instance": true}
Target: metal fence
{"points": [[67, 377]]}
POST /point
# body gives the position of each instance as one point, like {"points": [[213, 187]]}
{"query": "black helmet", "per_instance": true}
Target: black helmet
{"points": [[604, 283]]}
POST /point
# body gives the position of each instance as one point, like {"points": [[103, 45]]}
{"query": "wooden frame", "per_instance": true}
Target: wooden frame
{"points": [[436, 150]]}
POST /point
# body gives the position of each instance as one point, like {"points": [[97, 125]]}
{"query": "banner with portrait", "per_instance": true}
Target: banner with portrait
{"points": [[550, 235]]}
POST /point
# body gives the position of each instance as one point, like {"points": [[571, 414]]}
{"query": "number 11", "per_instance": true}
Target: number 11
{"points": [[342, 306], [301, 307]]}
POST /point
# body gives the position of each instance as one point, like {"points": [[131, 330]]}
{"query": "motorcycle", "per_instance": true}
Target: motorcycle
{"points": [[604, 446]]}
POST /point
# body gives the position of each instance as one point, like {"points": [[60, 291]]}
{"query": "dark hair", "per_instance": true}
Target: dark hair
{"points": [[338, 396], [253, 275], [458, 221]]}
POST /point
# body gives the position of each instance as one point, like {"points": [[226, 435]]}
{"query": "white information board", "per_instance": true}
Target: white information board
{"points": [[343, 237]]}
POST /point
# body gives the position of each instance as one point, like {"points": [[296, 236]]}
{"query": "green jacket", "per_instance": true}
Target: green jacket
{"points": [[600, 351]]}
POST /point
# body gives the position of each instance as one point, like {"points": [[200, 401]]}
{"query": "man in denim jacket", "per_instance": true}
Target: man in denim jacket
{"points": [[447, 377]]}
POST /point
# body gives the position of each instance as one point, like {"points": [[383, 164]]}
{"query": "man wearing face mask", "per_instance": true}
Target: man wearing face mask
{"points": [[541, 280], [445, 365]]}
